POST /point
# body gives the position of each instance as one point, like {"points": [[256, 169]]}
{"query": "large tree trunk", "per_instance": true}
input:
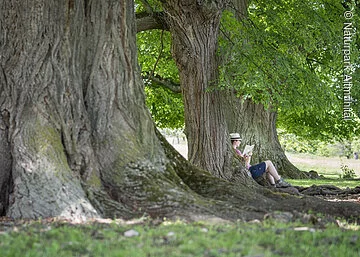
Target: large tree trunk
{"points": [[55, 91], [257, 126], [76, 137], [194, 27]]}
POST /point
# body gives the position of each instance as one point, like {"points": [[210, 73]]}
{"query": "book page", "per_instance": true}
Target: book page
{"points": [[248, 149]]}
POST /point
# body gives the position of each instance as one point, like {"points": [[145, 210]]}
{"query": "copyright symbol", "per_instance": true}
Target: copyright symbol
{"points": [[348, 15]]}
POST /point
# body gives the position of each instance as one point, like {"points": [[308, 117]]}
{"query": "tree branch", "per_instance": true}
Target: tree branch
{"points": [[148, 21], [174, 87]]}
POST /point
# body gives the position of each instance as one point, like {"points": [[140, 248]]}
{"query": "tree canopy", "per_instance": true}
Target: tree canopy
{"points": [[288, 54], [285, 54]]}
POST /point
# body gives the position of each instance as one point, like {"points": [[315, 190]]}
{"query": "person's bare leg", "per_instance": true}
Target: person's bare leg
{"points": [[270, 178], [270, 168]]}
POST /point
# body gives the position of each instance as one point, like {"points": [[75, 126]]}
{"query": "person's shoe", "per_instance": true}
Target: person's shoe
{"points": [[281, 183]]}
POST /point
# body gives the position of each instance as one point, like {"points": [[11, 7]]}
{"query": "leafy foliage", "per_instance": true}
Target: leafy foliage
{"points": [[347, 172], [296, 144], [141, 5], [166, 107], [154, 54], [288, 55]]}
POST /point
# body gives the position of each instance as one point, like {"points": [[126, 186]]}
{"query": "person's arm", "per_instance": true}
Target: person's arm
{"points": [[247, 159]]}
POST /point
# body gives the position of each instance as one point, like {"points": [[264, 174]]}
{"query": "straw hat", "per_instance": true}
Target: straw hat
{"points": [[235, 136]]}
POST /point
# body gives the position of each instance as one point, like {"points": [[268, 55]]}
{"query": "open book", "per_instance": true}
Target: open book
{"points": [[248, 149]]}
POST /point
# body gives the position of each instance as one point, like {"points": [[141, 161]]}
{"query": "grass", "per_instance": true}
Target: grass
{"points": [[341, 183], [328, 167], [268, 238]]}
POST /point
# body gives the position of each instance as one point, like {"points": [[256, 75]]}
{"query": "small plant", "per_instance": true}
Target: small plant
{"points": [[347, 172]]}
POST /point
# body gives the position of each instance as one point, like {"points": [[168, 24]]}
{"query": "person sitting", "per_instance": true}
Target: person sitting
{"points": [[258, 170]]}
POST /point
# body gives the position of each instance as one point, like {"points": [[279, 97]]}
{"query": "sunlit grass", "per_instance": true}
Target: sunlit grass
{"points": [[267, 238], [341, 183], [329, 167]]}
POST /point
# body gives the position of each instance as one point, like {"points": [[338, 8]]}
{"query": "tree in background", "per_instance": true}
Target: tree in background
{"points": [[194, 49]]}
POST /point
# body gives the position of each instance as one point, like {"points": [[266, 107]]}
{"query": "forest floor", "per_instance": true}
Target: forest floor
{"points": [[145, 238]]}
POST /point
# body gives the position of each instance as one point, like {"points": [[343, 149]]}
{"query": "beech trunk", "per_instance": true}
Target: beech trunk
{"points": [[76, 138], [194, 28]]}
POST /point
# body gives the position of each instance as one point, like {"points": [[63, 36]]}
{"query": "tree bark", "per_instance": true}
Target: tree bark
{"points": [[5, 158], [194, 28], [42, 59], [82, 143], [77, 140], [148, 21]]}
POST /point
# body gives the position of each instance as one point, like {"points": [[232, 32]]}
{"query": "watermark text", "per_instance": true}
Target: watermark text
{"points": [[348, 32]]}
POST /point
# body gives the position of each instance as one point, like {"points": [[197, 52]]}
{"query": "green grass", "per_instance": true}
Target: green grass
{"points": [[268, 238], [330, 167], [341, 183]]}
